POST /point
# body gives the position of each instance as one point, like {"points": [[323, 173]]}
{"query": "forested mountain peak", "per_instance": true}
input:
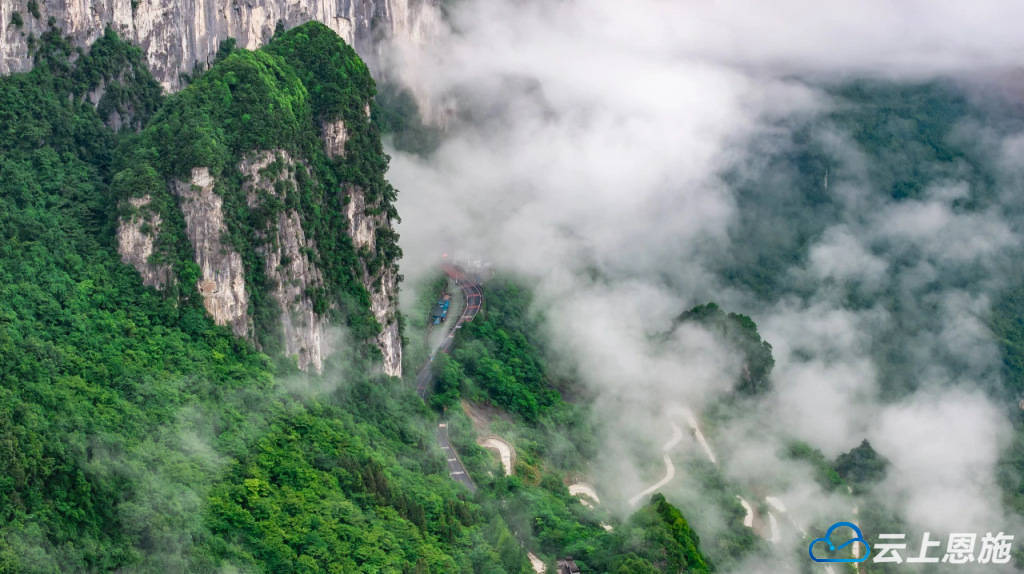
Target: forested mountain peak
{"points": [[125, 408], [267, 172]]}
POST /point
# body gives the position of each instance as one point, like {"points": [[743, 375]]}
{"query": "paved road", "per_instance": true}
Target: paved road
{"points": [[670, 469], [455, 468], [474, 296], [425, 377]]}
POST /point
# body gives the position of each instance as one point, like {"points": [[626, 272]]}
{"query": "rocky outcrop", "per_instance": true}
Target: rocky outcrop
{"points": [[136, 236], [222, 282], [383, 284], [361, 227], [335, 135], [290, 273], [286, 276], [384, 304], [363, 224], [175, 35]]}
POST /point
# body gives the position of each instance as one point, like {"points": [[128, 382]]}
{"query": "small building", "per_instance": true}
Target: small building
{"points": [[567, 566]]}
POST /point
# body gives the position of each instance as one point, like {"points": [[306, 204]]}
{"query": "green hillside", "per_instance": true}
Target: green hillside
{"points": [[136, 434]]}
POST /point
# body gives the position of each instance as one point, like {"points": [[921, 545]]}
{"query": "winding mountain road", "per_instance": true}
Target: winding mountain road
{"points": [[585, 492], [670, 469], [474, 297], [506, 453], [456, 470]]}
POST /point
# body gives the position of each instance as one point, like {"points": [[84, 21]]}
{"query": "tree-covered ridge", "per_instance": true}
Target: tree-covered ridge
{"points": [[275, 99], [862, 466], [499, 356], [139, 436], [247, 101], [740, 332], [668, 543]]}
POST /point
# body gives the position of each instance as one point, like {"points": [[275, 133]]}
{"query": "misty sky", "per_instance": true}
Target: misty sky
{"points": [[595, 147]]}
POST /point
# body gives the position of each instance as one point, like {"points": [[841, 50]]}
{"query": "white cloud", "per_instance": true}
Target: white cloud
{"points": [[954, 439], [591, 159]]}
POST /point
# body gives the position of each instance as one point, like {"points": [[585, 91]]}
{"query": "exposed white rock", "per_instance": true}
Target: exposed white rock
{"points": [[176, 34], [383, 303], [414, 26], [135, 243], [222, 285], [287, 267], [335, 135], [362, 227], [383, 288]]}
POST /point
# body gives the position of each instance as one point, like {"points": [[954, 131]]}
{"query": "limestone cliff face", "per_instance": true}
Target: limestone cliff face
{"points": [[289, 271], [136, 235], [384, 304], [383, 284], [222, 284], [335, 135], [177, 34], [259, 258]]}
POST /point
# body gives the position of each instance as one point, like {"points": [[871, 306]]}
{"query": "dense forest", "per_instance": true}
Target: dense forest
{"points": [[879, 147], [138, 435], [501, 361]]}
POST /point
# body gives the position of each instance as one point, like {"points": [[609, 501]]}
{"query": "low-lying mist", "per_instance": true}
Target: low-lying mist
{"points": [[845, 175]]}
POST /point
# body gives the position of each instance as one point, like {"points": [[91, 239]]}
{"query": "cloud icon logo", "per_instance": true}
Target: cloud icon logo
{"points": [[832, 548]]}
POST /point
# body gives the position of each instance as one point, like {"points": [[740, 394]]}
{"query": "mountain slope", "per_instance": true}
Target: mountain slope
{"points": [[140, 435], [266, 172]]}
